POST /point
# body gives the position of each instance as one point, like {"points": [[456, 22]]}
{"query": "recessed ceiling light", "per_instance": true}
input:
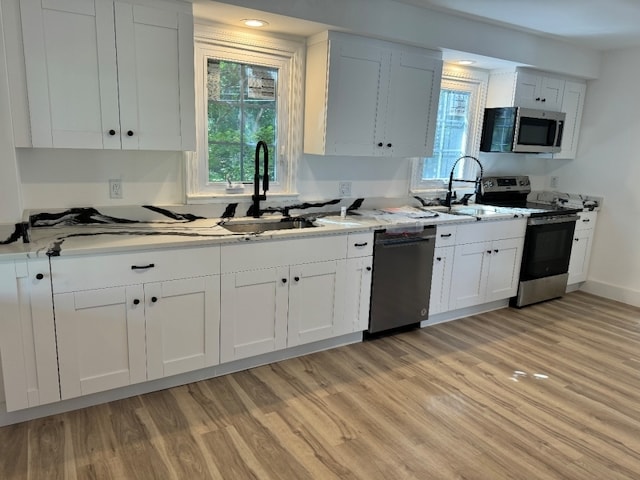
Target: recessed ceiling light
{"points": [[254, 22], [466, 62]]}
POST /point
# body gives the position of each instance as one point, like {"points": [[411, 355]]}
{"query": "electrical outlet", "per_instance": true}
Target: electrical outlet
{"points": [[554, 182], [115, 188], [344, 189]]}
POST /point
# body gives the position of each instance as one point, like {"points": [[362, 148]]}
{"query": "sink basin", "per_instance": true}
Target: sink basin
{"points": [[259, 225]]}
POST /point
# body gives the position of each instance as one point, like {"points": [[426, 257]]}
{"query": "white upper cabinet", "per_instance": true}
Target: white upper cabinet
{"points": [[525, 88], [366, 97], [572, 105], [109, 75]]}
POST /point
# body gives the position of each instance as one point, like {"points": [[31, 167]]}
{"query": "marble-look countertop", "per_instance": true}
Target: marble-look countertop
{"points": [[112, 229]]}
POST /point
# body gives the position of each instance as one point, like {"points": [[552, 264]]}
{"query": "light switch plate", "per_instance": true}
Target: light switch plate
{"points": [[344, 189], [115, 188]]}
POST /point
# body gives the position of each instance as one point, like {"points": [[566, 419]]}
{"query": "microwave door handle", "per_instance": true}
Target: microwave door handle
{"points": [[559, 132]]}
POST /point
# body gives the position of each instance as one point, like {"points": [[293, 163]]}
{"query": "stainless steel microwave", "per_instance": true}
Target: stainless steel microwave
{"points": [[521, 130]]}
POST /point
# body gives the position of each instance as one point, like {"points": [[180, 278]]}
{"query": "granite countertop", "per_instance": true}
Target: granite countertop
{"points": [[90, 231]]}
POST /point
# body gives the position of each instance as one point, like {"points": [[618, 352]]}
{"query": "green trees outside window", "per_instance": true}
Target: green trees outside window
{"points": [[241, 110]]}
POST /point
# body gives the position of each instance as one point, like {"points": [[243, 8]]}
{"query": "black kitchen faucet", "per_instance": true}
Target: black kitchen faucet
{"points": [[477, 181], [256, 197]]}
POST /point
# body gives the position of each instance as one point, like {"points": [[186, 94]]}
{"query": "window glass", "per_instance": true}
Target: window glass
{"points": [[462, 98], [241, 110]]}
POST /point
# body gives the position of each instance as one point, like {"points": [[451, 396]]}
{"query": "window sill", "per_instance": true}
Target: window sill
{"points": [[237, 197]]}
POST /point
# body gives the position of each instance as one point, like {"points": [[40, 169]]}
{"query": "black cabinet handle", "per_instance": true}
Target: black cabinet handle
{"points": [[439, 259], [489, 252], [130, 133], [364, 244], [297, 279], [112, 132], [537, 99], [142, 267], [380, 144], [136, 301], [445, 235], [586, 220], [544, 99], [154, 299], [389, 145], [39, 276], [368, 269], [496, 251], [284, 280], [577, 239]]}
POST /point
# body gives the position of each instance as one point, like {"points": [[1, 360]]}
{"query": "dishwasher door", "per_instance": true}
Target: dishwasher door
{"points": [[401, 284]]}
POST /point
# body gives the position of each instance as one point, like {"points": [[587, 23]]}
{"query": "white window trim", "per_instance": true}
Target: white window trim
{"points": [[246, 47], [469, 79]]}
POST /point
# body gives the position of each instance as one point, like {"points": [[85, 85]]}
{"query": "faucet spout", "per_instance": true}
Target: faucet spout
{"points": [[256, 197], [477, 181]]}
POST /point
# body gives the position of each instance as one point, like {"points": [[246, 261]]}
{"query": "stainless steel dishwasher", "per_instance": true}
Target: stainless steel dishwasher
{"points": [[401, 284]]}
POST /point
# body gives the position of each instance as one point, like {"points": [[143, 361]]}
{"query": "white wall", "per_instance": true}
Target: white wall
{"points": [[71, 178], [608, 164]]}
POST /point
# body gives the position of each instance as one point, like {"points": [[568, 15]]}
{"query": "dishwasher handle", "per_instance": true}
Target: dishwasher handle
{"points": [[403, 241]]}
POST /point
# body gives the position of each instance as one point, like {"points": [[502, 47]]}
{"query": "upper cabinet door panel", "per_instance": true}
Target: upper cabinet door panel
{"points": [[356, 73], [149, 62], [415, 83], [71, 72]]}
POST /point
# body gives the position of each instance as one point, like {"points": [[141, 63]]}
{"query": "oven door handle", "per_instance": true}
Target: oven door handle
{"points": [[553, 219]]}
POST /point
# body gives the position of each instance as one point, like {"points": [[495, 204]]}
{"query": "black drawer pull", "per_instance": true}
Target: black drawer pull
{"points": [[368, 269], [586, 220], [364, 244], [439, 259], [40, 276], [445, 235], [142, 267], [154, 299], [136, 301]]}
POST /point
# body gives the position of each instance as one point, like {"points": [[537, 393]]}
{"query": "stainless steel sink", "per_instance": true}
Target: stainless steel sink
{"points": [[265, 225]]}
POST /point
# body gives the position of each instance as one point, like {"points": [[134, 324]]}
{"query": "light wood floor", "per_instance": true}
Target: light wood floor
{"points": [[551, 391]]}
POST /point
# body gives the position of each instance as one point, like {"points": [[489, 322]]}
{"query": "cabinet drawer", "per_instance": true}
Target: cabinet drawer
{"points": [[268, 254], [586, 221], [446, 235], [490, 230], [89, 272], [360, 244]]}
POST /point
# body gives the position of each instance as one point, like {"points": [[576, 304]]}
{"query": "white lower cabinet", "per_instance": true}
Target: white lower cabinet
{"points": [[118, 334], [287, 301], [441, 279], [254, 311], [581, 248], [27, 335], [476, 263]]}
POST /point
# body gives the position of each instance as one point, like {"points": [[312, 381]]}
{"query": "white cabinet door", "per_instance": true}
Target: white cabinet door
{"points": [[354, 106], [27, 335], [572, 105], [441, 279], [380, 98], [182, 325], [581, 248], [316, 302], [70, 59], [101, 339], [412, 105], [469, 277], [254, 312], [504, 269], [358, 293], [538, 91], [109, 79], [155, 75]]}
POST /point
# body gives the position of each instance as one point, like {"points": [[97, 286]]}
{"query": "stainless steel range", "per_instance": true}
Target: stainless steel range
{"points": [[548, 238]]}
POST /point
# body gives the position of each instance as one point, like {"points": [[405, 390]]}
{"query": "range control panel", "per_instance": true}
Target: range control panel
{"points": [[516, 184]]}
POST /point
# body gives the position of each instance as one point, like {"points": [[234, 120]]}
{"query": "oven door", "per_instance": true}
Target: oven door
{"points": [[547, 246]]}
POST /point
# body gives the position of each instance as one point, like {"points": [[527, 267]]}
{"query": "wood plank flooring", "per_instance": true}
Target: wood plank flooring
{"points": [[551, 391]]}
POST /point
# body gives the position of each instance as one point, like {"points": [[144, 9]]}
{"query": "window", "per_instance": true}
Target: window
{"points": [[244, 93], [462, 97]]}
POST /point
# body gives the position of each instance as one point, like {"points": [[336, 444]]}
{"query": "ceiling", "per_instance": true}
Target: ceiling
{"points": [[595, 24]]}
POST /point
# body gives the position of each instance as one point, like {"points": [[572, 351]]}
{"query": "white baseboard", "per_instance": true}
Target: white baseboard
{"points": [[612, 292]]}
